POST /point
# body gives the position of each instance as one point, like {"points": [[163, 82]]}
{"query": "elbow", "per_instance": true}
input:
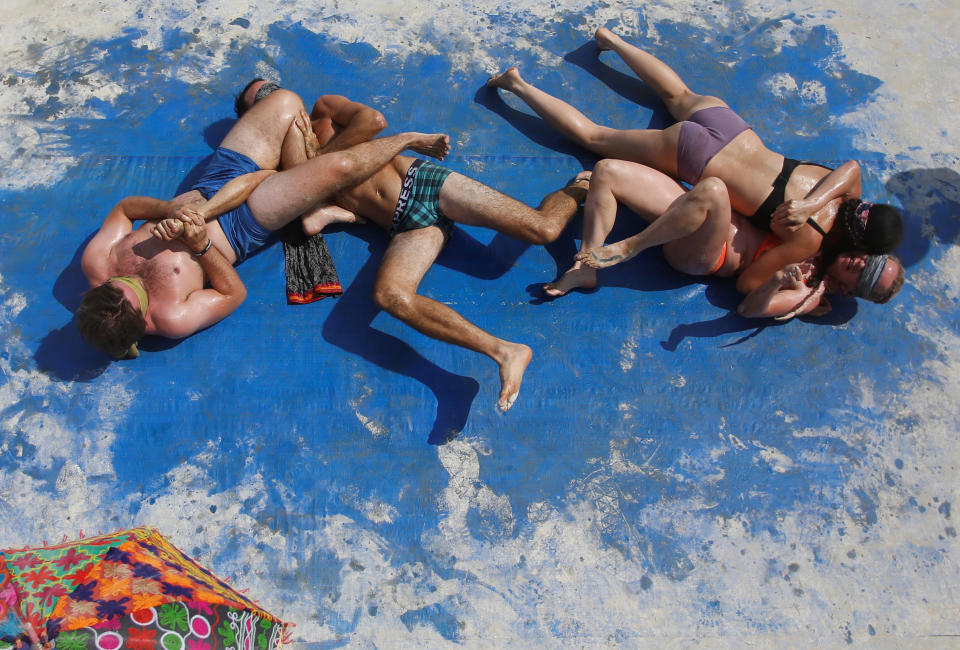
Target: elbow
{"points": [[855, 188], [377, 121]]}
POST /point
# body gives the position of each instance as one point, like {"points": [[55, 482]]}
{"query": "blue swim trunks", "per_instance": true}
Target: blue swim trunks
{"points": [[418, 205], [245, 235]]}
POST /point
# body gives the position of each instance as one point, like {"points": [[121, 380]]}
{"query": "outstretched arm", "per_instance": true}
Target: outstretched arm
{"points": [[841, 183], [351, 122], [783, 296]]}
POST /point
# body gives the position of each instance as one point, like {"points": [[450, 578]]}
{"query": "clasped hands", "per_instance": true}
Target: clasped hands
{"points": [[186, 224]]}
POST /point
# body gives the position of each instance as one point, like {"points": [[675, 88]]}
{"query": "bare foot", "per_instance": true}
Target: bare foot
{"points": [[515, 361], [602, 257], [322, 216], [577, 277], [507, 80], [605, 38], [435, 145]]}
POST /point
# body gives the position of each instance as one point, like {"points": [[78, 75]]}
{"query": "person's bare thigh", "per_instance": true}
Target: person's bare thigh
{"points": [[654, 147], [289, 193], [408, 258], [260, 132], [470, 202], [699, 252]]}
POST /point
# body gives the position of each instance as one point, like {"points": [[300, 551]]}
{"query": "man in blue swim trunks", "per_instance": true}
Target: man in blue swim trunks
{"points": [[176, 277], [418, 203]]}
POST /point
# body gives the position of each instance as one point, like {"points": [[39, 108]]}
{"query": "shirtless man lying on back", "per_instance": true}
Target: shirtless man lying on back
{"points": [[147, 284]]}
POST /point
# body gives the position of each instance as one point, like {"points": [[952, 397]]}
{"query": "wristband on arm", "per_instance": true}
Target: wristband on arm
{"points": [[205, 249]]}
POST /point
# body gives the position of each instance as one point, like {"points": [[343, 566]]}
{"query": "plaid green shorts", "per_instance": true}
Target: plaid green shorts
{"points": [[419, 203]]}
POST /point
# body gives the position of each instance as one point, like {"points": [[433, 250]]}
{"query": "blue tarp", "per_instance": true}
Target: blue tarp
{"points": [[669, 470]]}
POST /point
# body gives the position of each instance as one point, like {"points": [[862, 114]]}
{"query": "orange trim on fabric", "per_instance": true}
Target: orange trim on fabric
{"points": [[770, 241], [723, 258]]}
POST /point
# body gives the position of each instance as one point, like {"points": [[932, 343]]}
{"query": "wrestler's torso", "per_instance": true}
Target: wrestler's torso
{"points": [[748, 169], [168, 270], [376, 198]]}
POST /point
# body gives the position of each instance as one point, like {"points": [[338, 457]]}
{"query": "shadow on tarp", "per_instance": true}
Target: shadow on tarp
{"points": [[533, 127], [62, 353], [931, 209], [723, 294], [626, 86], [348, 326]]}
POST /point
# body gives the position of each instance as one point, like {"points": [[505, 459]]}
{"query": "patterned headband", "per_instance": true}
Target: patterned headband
{"points": [[871, 274], [856, 222], [265, 89]]}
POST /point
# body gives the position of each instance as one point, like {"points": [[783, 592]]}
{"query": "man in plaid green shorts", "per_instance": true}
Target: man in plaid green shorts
{"points": [[418, 202]]}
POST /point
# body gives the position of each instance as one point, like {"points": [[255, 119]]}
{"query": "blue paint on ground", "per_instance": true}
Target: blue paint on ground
{"points": [[653, 364]]}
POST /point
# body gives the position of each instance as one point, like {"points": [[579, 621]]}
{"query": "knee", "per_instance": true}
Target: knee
{"points": [[340, 169], [392, 300], [712, 191], [543, 236], [377, 121], [284, 101], [607, 170]]}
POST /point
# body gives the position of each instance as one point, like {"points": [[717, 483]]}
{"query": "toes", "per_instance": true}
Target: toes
{"points": [[553, 291], [505, 403]]}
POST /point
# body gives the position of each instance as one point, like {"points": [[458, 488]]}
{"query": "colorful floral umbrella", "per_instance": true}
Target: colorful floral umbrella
{"points": [[132, 589]]}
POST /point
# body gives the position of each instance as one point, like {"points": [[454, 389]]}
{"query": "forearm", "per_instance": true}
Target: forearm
{"points": [[222, 275], [773, 299], [362, 127], [232, 194], [841, 183], [757, 303], [352, 122], [144, 208]]}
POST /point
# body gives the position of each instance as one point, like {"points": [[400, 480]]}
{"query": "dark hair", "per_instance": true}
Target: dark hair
{"points": [[108, 321], [880, 235], [239, 103]]}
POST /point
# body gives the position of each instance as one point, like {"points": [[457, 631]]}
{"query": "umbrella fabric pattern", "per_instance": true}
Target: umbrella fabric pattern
{"points": [[177, 626], [133, 586]]}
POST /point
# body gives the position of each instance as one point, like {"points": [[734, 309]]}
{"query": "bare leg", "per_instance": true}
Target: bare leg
{"points": [[406, 261], [261, 132], [680, 100], [650, 192], [700, 218], [693, 229], [648, 146], [288, 194], [470, 202]]}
